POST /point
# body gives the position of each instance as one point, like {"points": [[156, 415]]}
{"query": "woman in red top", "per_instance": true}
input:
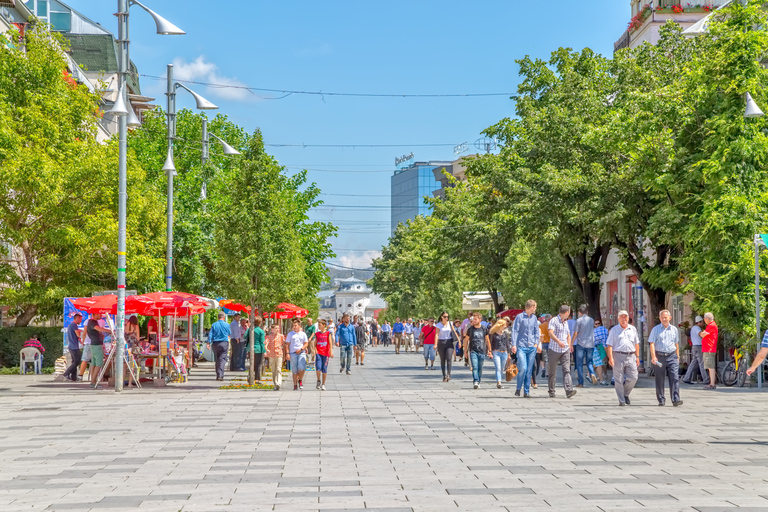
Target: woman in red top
{"points": [[324, 344], [428, 336]]}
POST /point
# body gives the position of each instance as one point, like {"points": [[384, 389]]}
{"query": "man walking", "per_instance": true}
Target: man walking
{"points": [[665, 355], [622, 347], [297, 343], [696, 367], [525, 340], [360, 334], [236, 335], [218, 338], [309, 330], [408, 336], [346, 339], [585, 345], [73, 345], [397, 330], [478, 347], [709, 348], [275, 352], [386, 331], [560, 347]]}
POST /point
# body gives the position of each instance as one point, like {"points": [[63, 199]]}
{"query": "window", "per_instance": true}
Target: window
{"points": [[42, 8]]}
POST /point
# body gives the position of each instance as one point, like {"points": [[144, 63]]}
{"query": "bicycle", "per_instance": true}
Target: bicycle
{"points": [[735, 371]]}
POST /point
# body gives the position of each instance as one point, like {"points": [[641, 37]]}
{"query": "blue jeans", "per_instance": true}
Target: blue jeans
{"points": [[500, 362], [347, 352], [429, 353], [476, 360], [581, 353], [526, 357]]}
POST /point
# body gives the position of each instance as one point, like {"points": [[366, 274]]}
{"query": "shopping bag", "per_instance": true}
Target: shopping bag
{"points": [[511, 372]]}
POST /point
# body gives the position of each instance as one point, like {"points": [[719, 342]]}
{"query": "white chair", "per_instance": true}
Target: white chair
{"points": [[30, 355]]}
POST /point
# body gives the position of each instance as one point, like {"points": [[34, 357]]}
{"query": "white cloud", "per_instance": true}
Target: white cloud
{"points": [[200, 70], [359, 259]]}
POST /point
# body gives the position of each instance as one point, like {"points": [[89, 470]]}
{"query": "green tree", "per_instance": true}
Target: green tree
{"points": [[261, 236], [58, 189]]}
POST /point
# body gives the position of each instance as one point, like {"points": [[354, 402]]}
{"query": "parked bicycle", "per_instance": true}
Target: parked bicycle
{"points": [[735, 371]]}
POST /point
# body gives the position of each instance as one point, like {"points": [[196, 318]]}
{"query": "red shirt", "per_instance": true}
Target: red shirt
{"points": [[322, 343], [709, 338], [152, 326], [430, 333]]}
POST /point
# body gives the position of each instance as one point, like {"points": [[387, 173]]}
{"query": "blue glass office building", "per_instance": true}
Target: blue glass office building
{"points": [[409, 186]]}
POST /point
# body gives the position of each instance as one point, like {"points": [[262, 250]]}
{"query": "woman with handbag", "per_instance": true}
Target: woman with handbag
{"points": [[445, 334], [500, 348]]}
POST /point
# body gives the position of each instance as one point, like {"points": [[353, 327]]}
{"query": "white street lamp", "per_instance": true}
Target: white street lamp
{"points": [[752, 109], [121, 109]]}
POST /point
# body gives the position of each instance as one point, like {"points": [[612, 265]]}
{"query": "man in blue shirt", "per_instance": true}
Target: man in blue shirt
{"points": [[408, 336], [584, 345], [397, 330], [525, 340], [665, 355], [73, 346], [347, 340], [386, 330], [218, 338]]}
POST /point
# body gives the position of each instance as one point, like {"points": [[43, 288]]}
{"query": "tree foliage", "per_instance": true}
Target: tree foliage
{"points": [[58, 189]]}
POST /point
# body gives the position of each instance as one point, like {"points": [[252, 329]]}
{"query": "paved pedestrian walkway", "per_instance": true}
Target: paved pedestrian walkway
{"points": [[389, 437]]}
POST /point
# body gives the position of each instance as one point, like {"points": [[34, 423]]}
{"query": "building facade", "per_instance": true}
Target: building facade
{"points": [[352, 296], [409, 187], [647, 18]]}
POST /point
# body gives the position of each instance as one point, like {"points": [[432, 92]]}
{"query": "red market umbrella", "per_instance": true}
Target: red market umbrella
{"points": [[173, 304], [107, 304], [289, 311], [510, 313], [235, 306]]}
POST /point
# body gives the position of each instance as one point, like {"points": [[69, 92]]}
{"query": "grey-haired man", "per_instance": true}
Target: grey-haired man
{"points": [[622, 347]]}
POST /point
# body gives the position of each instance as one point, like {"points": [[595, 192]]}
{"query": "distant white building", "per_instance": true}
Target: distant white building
{"points": [[352, 296]]}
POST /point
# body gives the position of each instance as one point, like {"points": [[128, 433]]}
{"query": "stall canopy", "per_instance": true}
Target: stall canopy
{"points": [[107, 304], [284, 311], [234, 306], [175, 304], [476, 301]]}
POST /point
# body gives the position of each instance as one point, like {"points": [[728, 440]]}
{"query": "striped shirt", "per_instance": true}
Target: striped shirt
{"points": [[559, 329]]}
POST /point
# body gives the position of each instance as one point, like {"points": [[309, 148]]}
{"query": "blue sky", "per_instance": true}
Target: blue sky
{"points": [[395, 47]]}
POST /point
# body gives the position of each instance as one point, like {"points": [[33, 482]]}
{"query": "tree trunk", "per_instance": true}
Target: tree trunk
{"points": [[26, 316], [657, 301], [581, 266], [495, 298]]}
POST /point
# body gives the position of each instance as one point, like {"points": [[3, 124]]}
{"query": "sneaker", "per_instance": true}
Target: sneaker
{"points": [[349, 372], [475, 385], [517, 392], [579, 385], [626, 399], [295, 387], [527, 395], [661, 404], [301, 385], [499, 386], [535, 386], [341, 370], [551, 394], [594, 379], [318, 385], [622, 404], [432, 367], [678, 403], [570, 393], [362, 363], [426, 367], [323, 387], [604, 383], [277, 387], [357, 362]]}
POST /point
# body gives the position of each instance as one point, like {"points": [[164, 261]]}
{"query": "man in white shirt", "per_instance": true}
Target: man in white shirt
{"points": [[297, 343], [622, 347], [696, 366]]}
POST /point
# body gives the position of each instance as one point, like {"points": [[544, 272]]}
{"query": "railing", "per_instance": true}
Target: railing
{"points": [[623, 42], [8, 3]]}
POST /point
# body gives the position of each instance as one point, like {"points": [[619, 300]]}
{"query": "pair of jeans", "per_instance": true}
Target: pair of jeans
{"points": [[220, 353], [582, 353], [234, 362], [71, 372], [429, 353], [243, 354], [526, 357], [347, 352], [476, 360], [500, 363], [445, 349]]}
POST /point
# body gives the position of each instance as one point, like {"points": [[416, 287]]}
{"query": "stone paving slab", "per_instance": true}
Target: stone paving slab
{"points": [[389, 437]]}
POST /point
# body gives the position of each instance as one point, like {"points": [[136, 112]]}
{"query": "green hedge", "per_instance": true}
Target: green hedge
{"points": [[12, 339]]}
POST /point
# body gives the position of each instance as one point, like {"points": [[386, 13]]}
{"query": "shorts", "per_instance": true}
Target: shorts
{"points": [[710, 361], [598, 355], [86, 353], [298, 362], [321, 363], [361, 347], [97, 355]]}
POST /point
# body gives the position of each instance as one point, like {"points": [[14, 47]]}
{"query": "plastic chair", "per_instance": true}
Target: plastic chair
{"points": [[30, 355]]}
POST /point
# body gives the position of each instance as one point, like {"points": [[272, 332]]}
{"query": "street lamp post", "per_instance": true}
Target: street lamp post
{"points": [[120, 109], [170, 168]]}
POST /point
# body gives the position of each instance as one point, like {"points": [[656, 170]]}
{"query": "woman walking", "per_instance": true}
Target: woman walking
{"points": [[445, 334], [500, 348], [428, 338]]}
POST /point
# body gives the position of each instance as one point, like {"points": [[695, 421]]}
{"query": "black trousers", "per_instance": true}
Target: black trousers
{"points": [[237, 349], [71, 372], [258, 359], [670, 368], [220, 352], [445, 350]]}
